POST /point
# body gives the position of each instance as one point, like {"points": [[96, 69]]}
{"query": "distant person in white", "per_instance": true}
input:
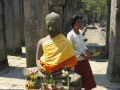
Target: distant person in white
{"points": [[82, 53]]}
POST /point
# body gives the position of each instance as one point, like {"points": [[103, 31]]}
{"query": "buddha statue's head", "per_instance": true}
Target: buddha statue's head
{"points": [[53, 23]]}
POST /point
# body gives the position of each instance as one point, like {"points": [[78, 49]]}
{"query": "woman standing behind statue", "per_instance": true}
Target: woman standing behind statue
{"points": [[83, 54]]}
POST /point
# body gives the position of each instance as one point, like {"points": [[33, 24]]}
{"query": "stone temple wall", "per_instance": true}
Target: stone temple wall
{"points": [[13, 26], [3, 54], [34, 26]]}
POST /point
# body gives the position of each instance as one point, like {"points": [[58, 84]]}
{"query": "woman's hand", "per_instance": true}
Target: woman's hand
{"points": [[86, 55], [89, 53]]}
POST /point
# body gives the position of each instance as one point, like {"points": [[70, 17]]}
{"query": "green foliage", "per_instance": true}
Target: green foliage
{"points": [[99, 5], [89, 6]]}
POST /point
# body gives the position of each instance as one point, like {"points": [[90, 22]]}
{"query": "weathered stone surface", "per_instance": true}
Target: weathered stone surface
{"points": [[68, 13], [35, 12], [57, 2], [108, 27], [65, 9], [3, 55], [13, 26], [113, 71], [1, 8], [1, 22], [22, 22], [59, 10]]}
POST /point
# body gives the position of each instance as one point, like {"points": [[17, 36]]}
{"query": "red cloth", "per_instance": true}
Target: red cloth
{"points": [[83, 68]]}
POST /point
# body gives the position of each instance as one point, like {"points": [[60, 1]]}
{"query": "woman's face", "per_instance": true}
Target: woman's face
{"points": [[78, 24]]}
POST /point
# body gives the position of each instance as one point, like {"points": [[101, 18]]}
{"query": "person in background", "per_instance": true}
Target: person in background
{"points": [[82, 53]]}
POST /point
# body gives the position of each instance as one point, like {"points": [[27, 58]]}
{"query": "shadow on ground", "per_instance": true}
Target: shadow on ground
{"points": [[13, 72], [101, 80], [23, 55]]}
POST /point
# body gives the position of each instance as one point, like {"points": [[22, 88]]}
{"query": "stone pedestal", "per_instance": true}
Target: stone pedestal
{"points": [[113, 71], [3, 55], [35, 12], [13, 26]]}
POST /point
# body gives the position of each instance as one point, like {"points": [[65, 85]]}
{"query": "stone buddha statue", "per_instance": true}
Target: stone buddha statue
{"points": [[55, 53]]}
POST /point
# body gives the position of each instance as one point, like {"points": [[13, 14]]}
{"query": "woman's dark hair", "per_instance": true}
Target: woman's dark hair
{"points": [[75, 17]]}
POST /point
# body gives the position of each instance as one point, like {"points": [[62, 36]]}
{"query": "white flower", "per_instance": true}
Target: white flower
{"points": [[65, 73]]}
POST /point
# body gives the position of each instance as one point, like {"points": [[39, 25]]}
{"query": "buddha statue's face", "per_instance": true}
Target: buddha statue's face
{"points": [[51, 26], [52, 23]]}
